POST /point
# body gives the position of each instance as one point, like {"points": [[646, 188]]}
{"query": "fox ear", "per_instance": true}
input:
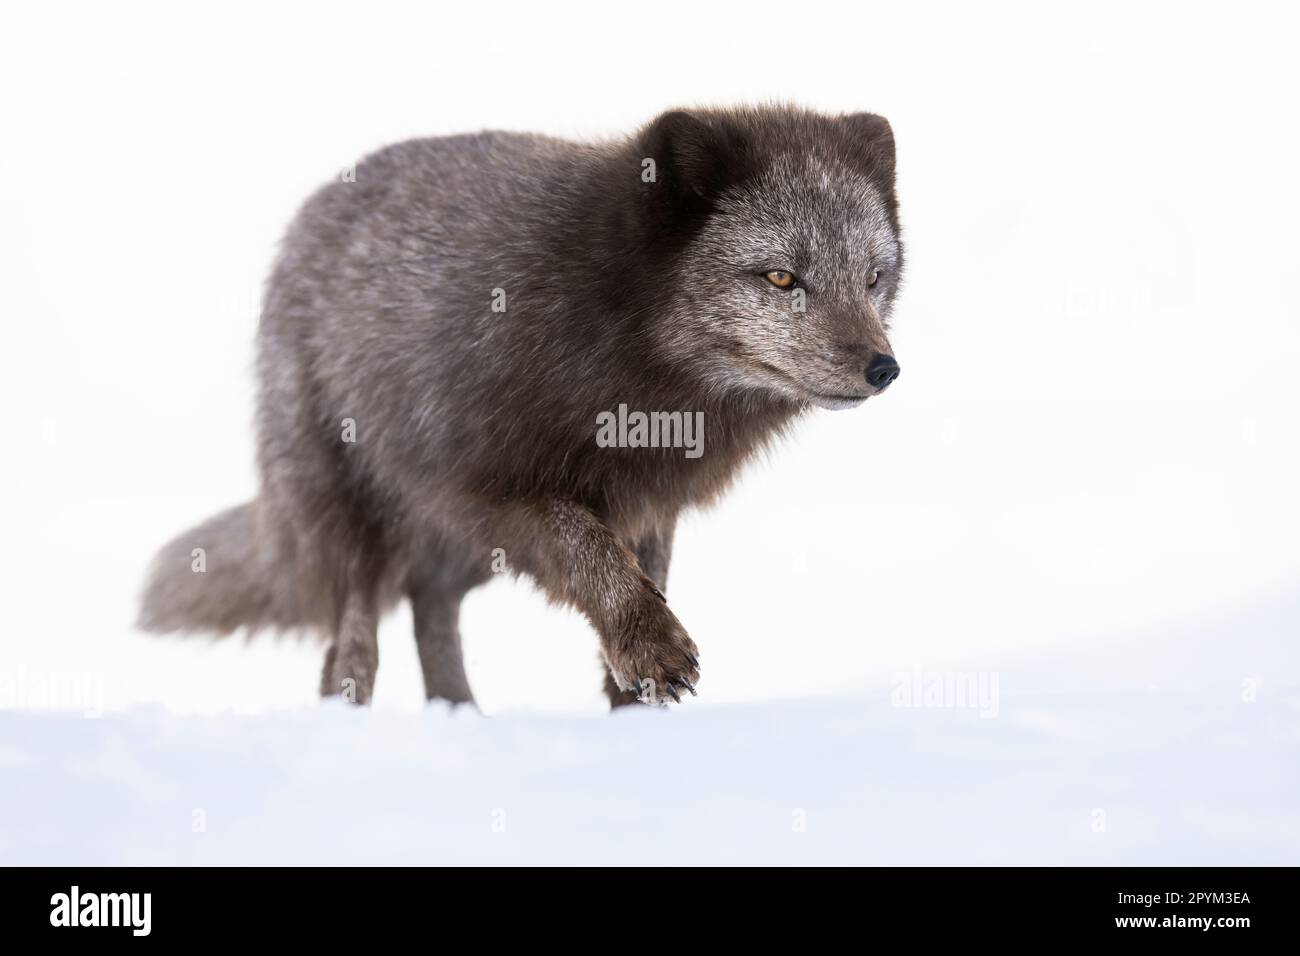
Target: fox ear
{"points": [[873, 140], [695, 155]]}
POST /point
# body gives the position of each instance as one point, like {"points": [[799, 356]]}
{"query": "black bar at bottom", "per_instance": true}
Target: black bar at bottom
{"points": [[359, 907]]}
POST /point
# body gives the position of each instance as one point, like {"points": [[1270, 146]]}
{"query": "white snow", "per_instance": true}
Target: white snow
{"points": [[1127, 759]]}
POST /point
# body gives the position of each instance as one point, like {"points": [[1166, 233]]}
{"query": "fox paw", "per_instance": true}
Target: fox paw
{"points": [[653, 656]]}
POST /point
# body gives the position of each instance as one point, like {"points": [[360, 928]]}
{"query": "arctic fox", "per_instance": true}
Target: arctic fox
{"points": [[449, 333]]}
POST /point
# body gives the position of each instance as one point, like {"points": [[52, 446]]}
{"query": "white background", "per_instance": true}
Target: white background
{"points": [[1092, 448]]}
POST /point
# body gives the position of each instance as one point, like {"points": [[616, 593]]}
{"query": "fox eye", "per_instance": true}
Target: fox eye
{"points": [[780, 278], [873, 278]]}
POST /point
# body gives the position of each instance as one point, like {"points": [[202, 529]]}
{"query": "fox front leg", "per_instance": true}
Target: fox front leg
{"points": [[653, 552], [578, 561]]}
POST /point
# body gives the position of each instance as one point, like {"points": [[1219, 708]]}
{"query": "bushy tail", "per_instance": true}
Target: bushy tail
{"points": [[215, 578]]}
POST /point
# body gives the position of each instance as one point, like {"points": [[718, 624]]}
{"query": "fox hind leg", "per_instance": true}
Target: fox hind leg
{"points": [[437, 639], [443, 571], [352, 660]]}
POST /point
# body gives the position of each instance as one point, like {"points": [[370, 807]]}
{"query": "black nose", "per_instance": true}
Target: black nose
{"points": [[882, 370]]}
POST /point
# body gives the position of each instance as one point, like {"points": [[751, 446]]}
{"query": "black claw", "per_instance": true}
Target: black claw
{"points": [[659, 594], [689, 686], [673, 692], [695, 662]]}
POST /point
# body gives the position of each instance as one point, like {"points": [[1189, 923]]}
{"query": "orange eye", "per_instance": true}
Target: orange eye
{"points": [[780, 278]]}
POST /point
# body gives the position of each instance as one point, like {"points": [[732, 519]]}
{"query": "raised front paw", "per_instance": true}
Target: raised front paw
{"points": [[652, 655]]}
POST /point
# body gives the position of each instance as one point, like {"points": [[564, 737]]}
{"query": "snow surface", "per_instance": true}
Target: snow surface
{"points": [[1150, 759]]}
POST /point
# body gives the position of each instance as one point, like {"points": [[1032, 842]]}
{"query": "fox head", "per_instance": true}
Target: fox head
{"points": [[785, 249]]}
